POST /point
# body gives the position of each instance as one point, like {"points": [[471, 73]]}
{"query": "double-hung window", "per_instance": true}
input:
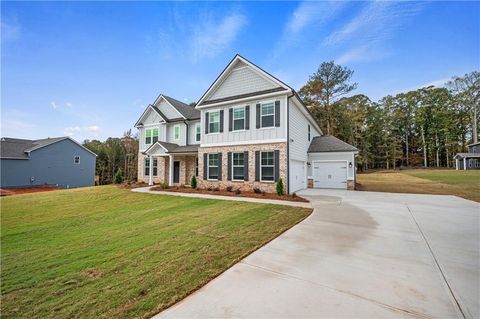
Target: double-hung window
{"points": [[76, 159], [266, 166], [267, 113], [176, 132], [148, 136], [239, 118], [155, 135], [214, 122], [198, 132], [147, 166], [238, 166], [213, 166]]}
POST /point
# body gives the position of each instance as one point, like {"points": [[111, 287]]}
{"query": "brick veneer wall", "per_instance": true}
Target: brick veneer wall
{"points": [[269, 187], [187, 169]]}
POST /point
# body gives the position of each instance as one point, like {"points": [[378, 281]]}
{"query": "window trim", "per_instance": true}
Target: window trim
{"points": [[242, 166], [198, 132], [261, 114], [208, 167], [75, 159], [175, 137], [272, 166], [155, 166], [153, 134], [210, 113], [148, 134], [233, 118]]}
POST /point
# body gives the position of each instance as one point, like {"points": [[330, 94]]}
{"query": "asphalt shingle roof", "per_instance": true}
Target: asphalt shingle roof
{"points": [[467, 155], [18, 148], [328, 143], [175, 148], [189, 112]]}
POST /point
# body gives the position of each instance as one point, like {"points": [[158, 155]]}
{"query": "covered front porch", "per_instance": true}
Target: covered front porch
{"points": [[466, 161], [170, 163]]}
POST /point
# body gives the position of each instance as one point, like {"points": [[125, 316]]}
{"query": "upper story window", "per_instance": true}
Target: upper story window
{"points": [[266, 166], [176, 132], [474, 149], [239, 118], [309, 132], [198, 132], [76, 159], [155, 135], [151, 136], [267, 113], [214, 122]]}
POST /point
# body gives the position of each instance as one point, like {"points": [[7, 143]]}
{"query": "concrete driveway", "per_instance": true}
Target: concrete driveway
{"points": [[360, 254]]}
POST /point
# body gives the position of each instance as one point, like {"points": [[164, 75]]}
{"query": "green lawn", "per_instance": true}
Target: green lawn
{"points": [[109, 252], [465, 184]]}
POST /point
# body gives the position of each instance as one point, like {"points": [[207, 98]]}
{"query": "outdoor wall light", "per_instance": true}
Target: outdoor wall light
{"points": [[350, 164], [309, 164]]}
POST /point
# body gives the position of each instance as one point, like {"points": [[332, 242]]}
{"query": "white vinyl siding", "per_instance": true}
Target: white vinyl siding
{"points": [[168, 110], [192, 128], [241, 80], [298, 132], [142, 135], [252, 135], [171, 133]]}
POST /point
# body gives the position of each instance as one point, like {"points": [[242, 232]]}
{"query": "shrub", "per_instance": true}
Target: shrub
{"points": [[257, 190], [164, 186], [193, 182], [280, 187], [294, 194], [118, 178], [229, 188]]}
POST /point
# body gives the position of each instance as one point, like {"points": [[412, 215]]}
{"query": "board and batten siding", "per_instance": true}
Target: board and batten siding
{"points": [[241, 80], [170, 128], [298, 133], [252, 135], [51, 165], [191, 132], [141, 135], [347, 157]]}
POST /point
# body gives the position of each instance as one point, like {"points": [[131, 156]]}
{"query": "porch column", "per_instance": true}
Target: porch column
{"points": [[464, 163], [150, 170], [457, 164], [170, 175]]}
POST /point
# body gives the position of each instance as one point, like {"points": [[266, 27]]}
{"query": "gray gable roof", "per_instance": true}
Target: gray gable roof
{"points": [[189, 112], [174, 148], [328, 143], [16, 148]]}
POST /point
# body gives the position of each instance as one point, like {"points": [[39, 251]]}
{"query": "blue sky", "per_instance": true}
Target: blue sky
{"points": [[88, 69]]}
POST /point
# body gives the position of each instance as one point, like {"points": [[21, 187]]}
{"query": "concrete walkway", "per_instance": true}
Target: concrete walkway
{"points": [[360, 254], [239, 199]]}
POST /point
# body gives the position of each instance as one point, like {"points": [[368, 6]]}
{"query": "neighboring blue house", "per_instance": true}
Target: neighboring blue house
{"points": [[56, 161]]}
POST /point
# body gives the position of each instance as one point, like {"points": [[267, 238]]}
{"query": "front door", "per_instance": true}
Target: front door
{"points": [[176, 172]]}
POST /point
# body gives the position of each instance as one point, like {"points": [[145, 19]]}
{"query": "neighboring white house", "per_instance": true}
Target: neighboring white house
{"points": [[247, 130]]}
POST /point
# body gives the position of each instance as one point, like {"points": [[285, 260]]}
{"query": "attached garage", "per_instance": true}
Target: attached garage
{"points": [[331, 163]]}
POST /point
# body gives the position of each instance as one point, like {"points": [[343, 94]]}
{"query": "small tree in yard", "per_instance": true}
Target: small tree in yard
{"points": [[280, 187], [118, 176], [193, 182]]}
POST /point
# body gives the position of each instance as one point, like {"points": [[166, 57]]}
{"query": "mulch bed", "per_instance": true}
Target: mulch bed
{"points": [[25, 190], [233, 194]]}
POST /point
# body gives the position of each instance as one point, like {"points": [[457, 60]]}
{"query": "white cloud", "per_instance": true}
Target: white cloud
{"points": [[68, 104], [54, 105], [366, 33], [210, 38], [92, 131], [10, 31], [437, 83]]}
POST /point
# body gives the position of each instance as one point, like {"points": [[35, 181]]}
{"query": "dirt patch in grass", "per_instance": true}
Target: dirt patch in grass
{"points": [[291, 198], [464, 184], [26, 190]]}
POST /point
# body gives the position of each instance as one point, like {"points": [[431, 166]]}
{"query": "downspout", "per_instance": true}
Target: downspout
{"points": [[186, 132], [288, 142]]}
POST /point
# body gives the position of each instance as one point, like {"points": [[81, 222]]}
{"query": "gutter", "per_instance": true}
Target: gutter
{"points": [[288, 141]]}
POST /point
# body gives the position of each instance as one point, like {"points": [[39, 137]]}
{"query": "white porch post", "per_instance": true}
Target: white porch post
{"points": [[464, 163], [457, 164], [170, 175], [150, 170]]}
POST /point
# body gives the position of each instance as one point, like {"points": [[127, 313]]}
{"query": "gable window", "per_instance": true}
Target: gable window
{"points": [[176, 132], [214, 122], [147, 166], [154, 135], [148, 136], [239, 118], [267, 115], [266, 166], [309, 132], [213, 166], [238, 166], [197, 132], [76, 159]]}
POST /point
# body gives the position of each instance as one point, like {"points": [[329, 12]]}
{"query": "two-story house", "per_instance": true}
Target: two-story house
{"points": [[470, 160], [247, 130]]}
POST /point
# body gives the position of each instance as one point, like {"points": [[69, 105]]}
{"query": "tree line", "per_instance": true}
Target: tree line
{"points": [[424, 127]]}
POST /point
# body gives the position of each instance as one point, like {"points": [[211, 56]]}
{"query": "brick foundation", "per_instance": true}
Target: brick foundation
{"points": [[269, 187]]}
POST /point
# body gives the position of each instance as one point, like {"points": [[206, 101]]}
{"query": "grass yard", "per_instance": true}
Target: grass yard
{"points": [[465, 184], [109, 252]]}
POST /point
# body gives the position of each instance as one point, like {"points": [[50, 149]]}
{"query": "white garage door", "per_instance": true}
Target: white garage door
{"points": [[332, 174], [297, 176]]}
